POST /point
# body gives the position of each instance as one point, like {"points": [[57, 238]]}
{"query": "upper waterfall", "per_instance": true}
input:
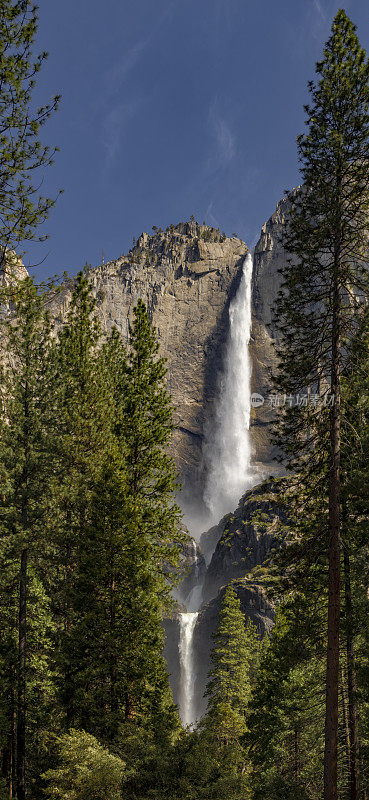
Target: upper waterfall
{"points": [[228, 448]]}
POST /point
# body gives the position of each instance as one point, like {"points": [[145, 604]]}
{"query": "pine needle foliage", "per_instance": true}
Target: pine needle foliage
{"points": [[23, 157], [324, 281], [234, 659], [24, 512]]}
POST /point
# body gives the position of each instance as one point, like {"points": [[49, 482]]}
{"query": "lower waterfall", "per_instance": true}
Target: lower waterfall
{"points": [[228, 449], [187, 677]]}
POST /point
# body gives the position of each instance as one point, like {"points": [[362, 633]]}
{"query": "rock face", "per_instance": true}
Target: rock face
{"points": [[269, 258], [12, 270], [194, 569], [246, 537], [187, 276]]}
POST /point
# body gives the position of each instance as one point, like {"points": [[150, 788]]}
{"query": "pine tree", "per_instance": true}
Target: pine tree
{"points": [[143, 430], [22, 207], [297, 580], [147, 430], [286, 712], [22, 155], [325, 237], [355, 526], [101, 603], [81, 437], [25, 473], [85, 769], [118, 535], [234, 658]]}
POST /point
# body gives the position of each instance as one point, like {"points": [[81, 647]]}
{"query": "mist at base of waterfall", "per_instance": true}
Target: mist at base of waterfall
{"points": [[228, 449]]}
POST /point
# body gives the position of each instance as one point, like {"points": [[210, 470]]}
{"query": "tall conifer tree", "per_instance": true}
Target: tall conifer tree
{"points": [[327, 242], [118, 534], [234, 658], [81, 436], [25, 470], [144, 427]]}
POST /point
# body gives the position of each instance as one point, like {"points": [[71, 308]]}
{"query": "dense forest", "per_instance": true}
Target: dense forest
{"points": [[91, 533]]}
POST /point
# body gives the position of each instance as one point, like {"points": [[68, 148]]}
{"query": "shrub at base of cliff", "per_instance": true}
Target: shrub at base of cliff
{"points": [[87, 771]]}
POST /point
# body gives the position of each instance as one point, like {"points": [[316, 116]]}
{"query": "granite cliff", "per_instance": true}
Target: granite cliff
{"points": [[246, 537], [269, 258], [187, 275]]}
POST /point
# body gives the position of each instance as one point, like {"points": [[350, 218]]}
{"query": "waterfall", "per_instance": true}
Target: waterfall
{"points": [[228, 453], [228, 449], [195, 560], [186, 704], [194, 598]]}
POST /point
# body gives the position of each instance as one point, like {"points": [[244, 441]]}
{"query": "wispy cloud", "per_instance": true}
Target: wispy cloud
{"points": [[320, 20], [117, 113], [114, 126], [118, 74], [217, 165], [313, 23], [209, 216], [320, 10], [224, 137], [132, 56]]}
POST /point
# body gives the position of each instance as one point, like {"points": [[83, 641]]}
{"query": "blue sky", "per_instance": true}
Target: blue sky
{"points": [[172, 108]]}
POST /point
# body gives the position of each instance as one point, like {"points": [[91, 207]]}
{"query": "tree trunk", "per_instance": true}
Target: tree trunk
{"points": [[332, 674], [5, 762], [8, 759], [113, 662], [21, 726], [345, 720], [296, 755], [68, 693], [351, 684], [13, 780], [128, 706]]}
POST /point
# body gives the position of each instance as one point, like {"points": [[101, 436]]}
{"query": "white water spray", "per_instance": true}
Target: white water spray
{"points": [[186, 699], [195, 561], [228, 449], [194, 598]]}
